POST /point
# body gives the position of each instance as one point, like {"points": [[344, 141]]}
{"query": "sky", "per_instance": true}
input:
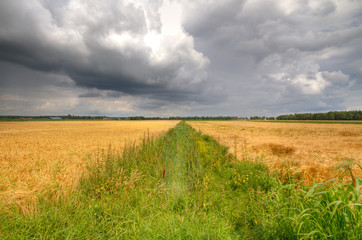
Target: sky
{"points": [[180, 58]]}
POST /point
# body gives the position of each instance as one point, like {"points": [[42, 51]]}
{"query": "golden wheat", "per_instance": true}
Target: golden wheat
{"points": [[308, 150], [38, 157]]}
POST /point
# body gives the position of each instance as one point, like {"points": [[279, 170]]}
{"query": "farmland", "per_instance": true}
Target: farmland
{"points": [[36, 157], [307, 151], [184, 184]]}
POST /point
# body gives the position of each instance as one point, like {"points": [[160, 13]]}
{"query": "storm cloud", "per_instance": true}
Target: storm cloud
{"points": [[204, 57], [109, 45]]}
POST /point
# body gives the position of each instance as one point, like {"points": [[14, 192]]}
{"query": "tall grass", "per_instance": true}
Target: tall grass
{"points": [[185, 185]]}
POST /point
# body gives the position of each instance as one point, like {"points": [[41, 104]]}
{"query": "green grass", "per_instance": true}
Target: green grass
{"points": [[185, 185]]}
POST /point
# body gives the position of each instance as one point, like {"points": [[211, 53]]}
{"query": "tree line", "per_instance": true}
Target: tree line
{"points": [[154, 118], [337, 115], [75, 117]]}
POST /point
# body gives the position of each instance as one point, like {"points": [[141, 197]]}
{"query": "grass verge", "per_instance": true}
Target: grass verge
{"points": [[184, 185]]}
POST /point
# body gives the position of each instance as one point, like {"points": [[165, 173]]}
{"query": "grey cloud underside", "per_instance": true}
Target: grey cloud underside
{"points": [[87, 77], [48, 44]]}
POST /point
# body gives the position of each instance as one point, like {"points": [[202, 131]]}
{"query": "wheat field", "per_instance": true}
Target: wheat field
{"points": [[38, 157], [309, 151]]}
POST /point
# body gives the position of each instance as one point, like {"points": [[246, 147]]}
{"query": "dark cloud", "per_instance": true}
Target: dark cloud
{"points": [[95, 93], [101, 45]]}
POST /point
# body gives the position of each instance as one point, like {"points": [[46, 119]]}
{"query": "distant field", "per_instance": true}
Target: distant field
{"points": [[41, 156], [310, 151]]}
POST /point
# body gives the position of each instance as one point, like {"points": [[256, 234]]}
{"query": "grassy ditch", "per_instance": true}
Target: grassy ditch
{"points": [[184, 185]]}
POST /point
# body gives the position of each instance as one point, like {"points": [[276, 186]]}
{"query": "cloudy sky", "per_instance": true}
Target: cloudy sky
{"points": [[187, 57]]}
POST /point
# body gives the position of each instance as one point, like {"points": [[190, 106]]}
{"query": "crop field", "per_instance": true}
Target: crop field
{"points": [[46, 156], [112, 180], [307, 151]]}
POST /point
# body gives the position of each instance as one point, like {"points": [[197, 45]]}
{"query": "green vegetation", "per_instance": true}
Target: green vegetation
{"points": [[330, 116], [309, 121], [342, 115], [74, 117], [184, 185]]}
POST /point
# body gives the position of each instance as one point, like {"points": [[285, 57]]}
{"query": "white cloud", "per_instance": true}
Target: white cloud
{"points": [[311, 85]]}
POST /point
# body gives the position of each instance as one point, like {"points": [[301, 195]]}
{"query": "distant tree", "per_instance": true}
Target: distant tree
{"points": [[341, 115]]}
